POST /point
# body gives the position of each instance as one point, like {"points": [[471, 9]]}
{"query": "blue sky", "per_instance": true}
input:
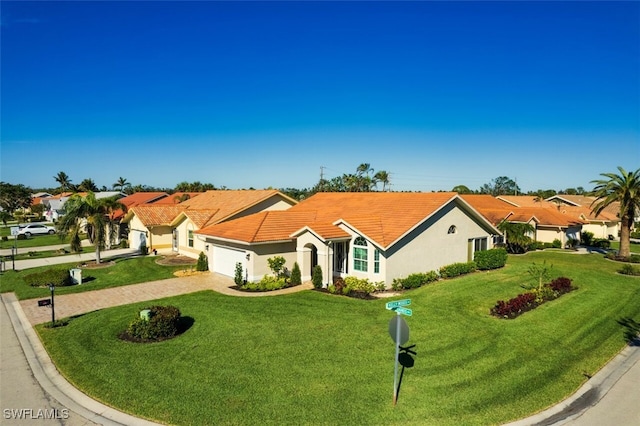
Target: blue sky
{"points": [[262, 94]]}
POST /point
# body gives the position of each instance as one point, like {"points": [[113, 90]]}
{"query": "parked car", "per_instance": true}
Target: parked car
{"points": [[35, 229]]}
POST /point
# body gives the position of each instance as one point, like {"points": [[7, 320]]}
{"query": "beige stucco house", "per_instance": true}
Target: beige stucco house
{"points": [[379, 236], [174, 226], [605, 225]]}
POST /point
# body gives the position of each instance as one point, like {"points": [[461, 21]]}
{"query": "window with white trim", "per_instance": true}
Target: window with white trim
{"points": [[376, 261], [360, 261], [190, 237]]}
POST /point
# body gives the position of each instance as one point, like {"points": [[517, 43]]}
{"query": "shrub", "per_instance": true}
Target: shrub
{"points": [[380, 286], [316, 276], [415, 280], [267, 283], [634, 258], [629, 270], [586, 237], [556, 243], [512, 308], [162, 324], [276, 264], [124, 243], [203, 263], [358, 287], [238, 278], [5, 238], [572, 243], [601, 243], [547, 245], [457, 269], [57, 277], [491, 259], [635, 235], [561, 285], [296, 276]]}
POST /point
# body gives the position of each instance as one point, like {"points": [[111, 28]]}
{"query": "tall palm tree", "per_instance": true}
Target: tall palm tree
{"points": [[624, 189], [121, 184], [88, 185], [89, 213], [64, 181], [383, 177]]}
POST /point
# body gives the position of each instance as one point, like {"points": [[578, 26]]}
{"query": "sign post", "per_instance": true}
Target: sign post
{"points": [[399, 331], [14, 249]]}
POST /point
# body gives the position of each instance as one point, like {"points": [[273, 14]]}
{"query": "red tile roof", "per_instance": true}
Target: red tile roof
{"points": [[176, 197]]}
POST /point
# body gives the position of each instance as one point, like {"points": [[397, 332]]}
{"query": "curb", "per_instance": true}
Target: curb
{"points": [[53, 382], [588, 394]]}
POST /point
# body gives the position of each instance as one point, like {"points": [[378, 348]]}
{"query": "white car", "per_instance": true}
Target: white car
{"points": [[35, 229]]}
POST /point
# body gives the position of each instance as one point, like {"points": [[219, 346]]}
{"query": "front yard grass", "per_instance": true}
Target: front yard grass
{"points": [[313, 358], [128, 270]]}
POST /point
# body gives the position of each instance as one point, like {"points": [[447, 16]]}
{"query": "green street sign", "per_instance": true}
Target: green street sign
{"points": [[403, 311], [398, 303]]}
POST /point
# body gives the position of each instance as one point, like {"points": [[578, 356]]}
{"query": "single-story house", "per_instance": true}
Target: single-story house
{"points": [[606, 224], [548, 223], [602, 226], [374, 235], [164, 226]]}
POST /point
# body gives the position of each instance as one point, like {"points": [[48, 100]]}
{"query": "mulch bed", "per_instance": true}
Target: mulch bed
{"points": [[176, 260], [94, 265]]}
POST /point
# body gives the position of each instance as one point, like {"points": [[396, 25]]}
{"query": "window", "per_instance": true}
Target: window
{"points": [[190, 238], [480, 244], [452, 229], [360, 255], [376, 261]]}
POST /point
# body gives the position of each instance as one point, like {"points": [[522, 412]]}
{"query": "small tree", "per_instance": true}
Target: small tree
{"points": [[203, 263], [238, 278], [296, 276], [276, 264], [316, 276], [540, 273]]}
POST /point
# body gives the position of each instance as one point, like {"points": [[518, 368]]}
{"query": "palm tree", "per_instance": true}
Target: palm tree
{"points": [[624, 189], [63, 179], [121, 184], [88, 185], [90, 213], [382, 176], [516, 235]]}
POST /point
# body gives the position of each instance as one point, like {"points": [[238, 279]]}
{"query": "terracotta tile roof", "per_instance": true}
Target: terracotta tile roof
{"points": [[152, 215], [231, 202], [383, 217], [200, 217], [586, 201], [142, 198], [175, 197]]}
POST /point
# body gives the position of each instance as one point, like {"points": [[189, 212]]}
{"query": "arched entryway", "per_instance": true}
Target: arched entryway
{"points": [[310, 259]]}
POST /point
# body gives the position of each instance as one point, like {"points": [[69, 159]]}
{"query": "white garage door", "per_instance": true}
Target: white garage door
{"points": [[225, 259]]}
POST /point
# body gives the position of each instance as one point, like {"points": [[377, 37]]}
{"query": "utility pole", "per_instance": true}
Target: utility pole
{"points": [[322, 177]]}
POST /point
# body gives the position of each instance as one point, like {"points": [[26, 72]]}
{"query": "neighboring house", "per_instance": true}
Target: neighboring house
{"points": [[548, 223], [54, 206], [606, 224], [379, 236], [174, 226], [602, 226]]}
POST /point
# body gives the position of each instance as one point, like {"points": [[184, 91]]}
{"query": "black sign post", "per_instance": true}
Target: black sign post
{"points": [[53, 311]]}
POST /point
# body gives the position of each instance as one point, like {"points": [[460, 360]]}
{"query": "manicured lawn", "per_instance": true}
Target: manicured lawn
{"points": [[313, 358], [635, 247], [126, 271], [30, 254]]}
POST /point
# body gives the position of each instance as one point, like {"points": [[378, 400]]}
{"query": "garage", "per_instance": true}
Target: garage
{"points": [[225, 259]]}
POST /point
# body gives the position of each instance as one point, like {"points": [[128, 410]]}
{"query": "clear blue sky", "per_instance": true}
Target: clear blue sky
{"points": [[259, 94]]}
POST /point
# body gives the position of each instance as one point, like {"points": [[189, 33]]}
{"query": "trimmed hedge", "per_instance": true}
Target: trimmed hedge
{"points": [[491, 259], [57, 277], [414, 280], [457, 269]]}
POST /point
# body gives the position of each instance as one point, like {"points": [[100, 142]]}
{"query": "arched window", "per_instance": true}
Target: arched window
{"points": [[452, 229], [360, 254]]}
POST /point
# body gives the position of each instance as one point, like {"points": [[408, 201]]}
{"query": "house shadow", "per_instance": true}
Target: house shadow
{"points": [[184, 324]]}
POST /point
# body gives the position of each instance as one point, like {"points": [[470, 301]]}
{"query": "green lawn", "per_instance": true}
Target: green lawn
{"points": [[635, 248], [126, 271], [313, 358]]}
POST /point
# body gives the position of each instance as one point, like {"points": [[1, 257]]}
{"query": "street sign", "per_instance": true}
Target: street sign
{"points": [[15, 230], [44, 302], [398, 303], [399, 330], [404, 311]]}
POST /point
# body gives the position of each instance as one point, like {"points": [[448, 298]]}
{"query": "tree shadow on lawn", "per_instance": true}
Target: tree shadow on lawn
{"points": [[631, 330]]}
